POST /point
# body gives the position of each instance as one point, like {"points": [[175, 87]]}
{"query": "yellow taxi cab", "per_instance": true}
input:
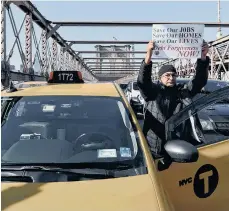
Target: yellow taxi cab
{"points": [[72, 145]]}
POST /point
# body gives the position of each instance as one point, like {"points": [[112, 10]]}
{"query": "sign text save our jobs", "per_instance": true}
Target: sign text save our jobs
{"points": [[177, 40]]}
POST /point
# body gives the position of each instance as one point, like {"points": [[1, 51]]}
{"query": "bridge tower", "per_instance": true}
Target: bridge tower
{"points": [[118, 56]]}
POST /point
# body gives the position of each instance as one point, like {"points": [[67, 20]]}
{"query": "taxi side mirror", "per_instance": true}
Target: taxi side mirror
{"points": [[181, 151]]}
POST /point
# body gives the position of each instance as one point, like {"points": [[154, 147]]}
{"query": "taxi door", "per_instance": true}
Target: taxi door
{"points": [[204, 184]]}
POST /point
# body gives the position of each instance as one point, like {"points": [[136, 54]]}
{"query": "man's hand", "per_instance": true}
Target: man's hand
{"points": [[149, 49], [150, 46], [205, 50]]}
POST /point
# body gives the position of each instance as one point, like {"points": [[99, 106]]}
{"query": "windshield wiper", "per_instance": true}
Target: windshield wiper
{"points": [[80, 172], [115, 165]]}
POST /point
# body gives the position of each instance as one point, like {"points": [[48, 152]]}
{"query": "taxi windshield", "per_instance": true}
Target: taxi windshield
{"points": [[67, 129]]}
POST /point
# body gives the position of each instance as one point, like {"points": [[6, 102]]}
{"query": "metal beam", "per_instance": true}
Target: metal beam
{"points": [[18, 76], [119, 69], [54, 29], [40, 20], [115, 72], [225, 62], [144, 52], [110, 63], [114, 65], [69, 47], [124, 58], [108, 66], [215, 42], [14, 27], [107, 42], [114, 68], [134, 23], [28, 7], [111, 75], [127, 72], [219, 41]]}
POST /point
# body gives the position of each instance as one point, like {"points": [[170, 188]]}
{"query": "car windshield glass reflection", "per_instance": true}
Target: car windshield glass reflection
{"points": [[211, 86], [68, 129], [215, 85]]}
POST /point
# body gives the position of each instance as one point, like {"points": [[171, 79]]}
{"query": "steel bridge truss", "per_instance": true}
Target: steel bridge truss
{"points": [[57, 56], [218, 54], [61, 56], [219, 65]]}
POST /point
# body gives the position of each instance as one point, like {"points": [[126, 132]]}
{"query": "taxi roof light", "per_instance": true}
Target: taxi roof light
{"points": [[65, 77]]}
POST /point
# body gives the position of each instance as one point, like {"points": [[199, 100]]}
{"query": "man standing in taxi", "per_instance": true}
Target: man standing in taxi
{"points": [[166, 97]]}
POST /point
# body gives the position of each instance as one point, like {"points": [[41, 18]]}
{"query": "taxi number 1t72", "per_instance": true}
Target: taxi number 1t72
{"points": [[65, 76]]}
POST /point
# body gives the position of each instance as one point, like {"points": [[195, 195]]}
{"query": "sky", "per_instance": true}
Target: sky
{"points": [[188, 11]]}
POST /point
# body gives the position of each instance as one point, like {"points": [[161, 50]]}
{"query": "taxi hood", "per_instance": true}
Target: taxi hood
{"points": [[120, 194]]}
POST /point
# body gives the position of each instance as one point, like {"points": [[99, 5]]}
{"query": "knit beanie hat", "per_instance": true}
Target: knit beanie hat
{"points": [[165, 69]]}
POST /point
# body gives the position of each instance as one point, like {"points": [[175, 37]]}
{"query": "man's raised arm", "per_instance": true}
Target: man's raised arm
{"points": [[201, 76], [147, 88]]}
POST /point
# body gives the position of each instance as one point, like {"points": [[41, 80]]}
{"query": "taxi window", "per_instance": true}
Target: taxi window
{"points": [[123, 86], [211, 123], [68, 129], [135, 86], [212, 86]]}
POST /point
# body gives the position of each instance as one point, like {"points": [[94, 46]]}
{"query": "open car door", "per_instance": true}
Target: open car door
{"points": [[197, 180]]}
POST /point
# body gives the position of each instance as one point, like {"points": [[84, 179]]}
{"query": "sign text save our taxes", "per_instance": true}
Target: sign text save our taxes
{"points": [[177, 40]]}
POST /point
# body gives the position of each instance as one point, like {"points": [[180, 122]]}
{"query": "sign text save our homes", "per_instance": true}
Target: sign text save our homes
{"points": [[177, 40]]}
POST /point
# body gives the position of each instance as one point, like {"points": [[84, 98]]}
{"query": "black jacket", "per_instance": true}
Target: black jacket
{"points": [[162, 102]]}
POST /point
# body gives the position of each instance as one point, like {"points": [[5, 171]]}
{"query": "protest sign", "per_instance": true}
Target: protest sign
{"points": [[177, 40]]}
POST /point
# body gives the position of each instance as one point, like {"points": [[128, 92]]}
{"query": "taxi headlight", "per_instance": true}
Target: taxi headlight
{"points": [[206, 124]]}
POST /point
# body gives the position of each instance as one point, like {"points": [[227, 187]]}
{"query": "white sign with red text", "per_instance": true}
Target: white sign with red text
{"points": [[177, 41]]}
